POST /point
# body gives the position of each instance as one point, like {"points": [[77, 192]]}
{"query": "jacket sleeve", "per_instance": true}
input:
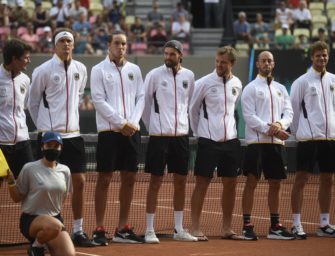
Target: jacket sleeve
{"points": [[35, 93], [99, 98], [139, 101], [149, 90], [195, 106], [248, 100], [287, 111], [296, 100]]}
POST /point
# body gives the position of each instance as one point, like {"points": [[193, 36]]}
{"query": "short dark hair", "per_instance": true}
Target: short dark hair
{"points": [[318, 46], [14, 48], [115, 33], [61, 30]]}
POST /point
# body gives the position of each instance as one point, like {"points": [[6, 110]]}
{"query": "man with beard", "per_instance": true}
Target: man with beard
{"points": [[118, 95], [168, 90], [312, 97], [267, 113], [56, 90], [213, 121]]}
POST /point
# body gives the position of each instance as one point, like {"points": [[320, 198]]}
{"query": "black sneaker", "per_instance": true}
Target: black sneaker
{"points": [[326, 231], [249, 233], [80, 239], [35, 251], [99, 237], [279, 233], [127, 235]]}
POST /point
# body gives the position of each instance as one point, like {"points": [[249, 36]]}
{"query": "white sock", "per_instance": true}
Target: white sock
{"points": [[37, 244], [178, 220], [324, 219], [296, 219], [150, 221], [78, 225]]}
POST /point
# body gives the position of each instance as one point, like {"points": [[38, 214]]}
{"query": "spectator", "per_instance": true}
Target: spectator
{"points": [[283, 15], [122, 25], [242, 28], [82, 25], [303, 42], [285, 40], [137, 31], [114, 14], [260, 31], [40, 17], [321, 36], [76, 11], [212, 14], [302, 16], [4, 14], [156, 39], [46, 44], [179, 11], [31, 38], [59, 13], [181, 29], [87, 104], [19, 14], [100, 41], [155, 16], [83, 43]]}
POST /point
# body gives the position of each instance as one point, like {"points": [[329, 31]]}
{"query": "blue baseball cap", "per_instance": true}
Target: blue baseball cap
{"points": [[52, 136]]}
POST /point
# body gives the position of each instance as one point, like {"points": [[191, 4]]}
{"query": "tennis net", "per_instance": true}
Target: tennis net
{"points": [[211, 220]]}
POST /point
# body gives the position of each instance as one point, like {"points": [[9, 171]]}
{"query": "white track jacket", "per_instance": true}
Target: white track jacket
{"points": [[118, 95], [55, 95], [166, 101], [213, 105], [13, 99], [263, 104], [313, 102]]}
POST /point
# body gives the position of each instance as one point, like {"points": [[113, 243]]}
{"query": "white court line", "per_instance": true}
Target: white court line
{"points": [[88, 254]]}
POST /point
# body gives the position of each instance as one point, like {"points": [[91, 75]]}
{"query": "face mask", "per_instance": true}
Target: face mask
{"points": [[51, 154]]}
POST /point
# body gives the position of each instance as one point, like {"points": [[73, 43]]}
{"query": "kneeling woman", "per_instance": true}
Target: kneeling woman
{"points": [[42, 186]]}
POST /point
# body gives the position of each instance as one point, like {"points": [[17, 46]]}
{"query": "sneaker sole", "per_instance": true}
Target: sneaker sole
{"points": [[152, 241], [100, 244], [184, 240], [275, 237], [322, 234], [300, 237], [125, 241], [250, 239]]}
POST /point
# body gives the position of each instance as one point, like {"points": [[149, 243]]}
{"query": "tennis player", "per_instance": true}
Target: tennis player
{"points": [[14, 86], [267, 113], [168, 90], [213, 122], [56, 89], [118, 95], [42, 187], [313, 102]]}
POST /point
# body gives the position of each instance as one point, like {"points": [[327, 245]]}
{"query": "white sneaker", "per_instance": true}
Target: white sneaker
{"points": [[298, 232], [184, 235], [327, 231], [151, 238]]}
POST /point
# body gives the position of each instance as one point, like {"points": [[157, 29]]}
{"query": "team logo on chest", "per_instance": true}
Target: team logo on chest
{"points": [[56, 79], [279, 93], [22, 89], [332, 88], [76, 76], [234, 92], [185, 84], [164, 83], [131, 76]]}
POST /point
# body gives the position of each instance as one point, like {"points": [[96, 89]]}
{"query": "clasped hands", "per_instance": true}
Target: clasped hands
{"points": [[277, 131], [128, 130]]}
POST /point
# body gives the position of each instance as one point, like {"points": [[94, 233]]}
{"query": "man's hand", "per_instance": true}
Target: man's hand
{"points": [[283, 135], [128, 130], [274, 128]]}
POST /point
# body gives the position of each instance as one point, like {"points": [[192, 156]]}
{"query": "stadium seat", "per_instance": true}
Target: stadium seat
{"points": [[301, 31], [330, 6], [130, 19], [319, 21], [315, 32], [331, 14], [242, 49], [316, 6], [46, 5], [279, 32], [96, 8], [316, 12]]}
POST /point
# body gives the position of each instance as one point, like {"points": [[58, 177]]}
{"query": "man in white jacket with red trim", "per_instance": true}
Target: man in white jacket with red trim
{"points": [[267, 113], [212, 118], [118, 95], [168, 90], [55, 93], [313, 102]]}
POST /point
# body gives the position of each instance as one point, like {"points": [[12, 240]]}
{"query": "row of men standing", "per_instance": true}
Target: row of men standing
{"points": [[166, 101]]}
